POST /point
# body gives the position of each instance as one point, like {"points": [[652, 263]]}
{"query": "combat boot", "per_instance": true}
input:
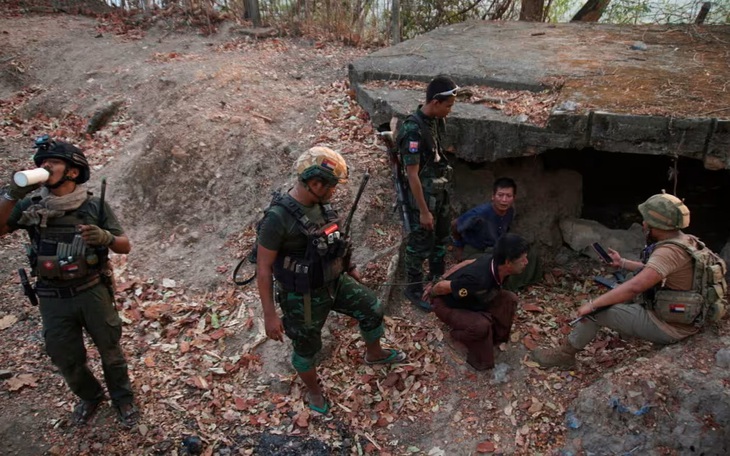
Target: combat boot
{"points": [[413, 293], [563, 356]]}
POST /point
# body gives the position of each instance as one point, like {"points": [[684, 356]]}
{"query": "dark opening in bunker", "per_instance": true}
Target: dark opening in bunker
{"points": [[615, 183]]}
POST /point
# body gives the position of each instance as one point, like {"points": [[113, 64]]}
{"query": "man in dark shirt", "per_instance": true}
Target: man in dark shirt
{"points": [[470, 299]]}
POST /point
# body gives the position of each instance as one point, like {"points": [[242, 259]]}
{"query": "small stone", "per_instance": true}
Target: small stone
{"points": [[4, 374], [143, 430], [638, 46], [722, 357]]}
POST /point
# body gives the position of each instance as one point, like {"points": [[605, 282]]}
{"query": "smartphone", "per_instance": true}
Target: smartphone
{"points": [[602, 253]]}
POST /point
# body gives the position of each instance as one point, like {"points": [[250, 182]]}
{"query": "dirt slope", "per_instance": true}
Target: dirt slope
{"points": [[208, 126]]}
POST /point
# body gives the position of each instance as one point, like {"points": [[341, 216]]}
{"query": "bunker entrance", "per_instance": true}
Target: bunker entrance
{"points": [[615, 183]]}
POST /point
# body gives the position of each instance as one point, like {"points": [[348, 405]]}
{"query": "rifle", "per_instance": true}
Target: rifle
{"points": [[106, 271], [28, 289], [398, 174], [363, 183], [346, 228]]}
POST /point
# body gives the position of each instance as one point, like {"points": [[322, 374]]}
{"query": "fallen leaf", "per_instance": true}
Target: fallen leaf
{"points": [[532, 308], [149, 361], [7, 321], [19, 381], [529, 343], [302, 420], [486, 447]]}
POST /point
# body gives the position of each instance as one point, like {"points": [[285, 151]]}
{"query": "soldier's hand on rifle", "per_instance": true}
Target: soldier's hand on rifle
{"points": [[426, 220], [274, 327], [95, 236], [586, 309]]}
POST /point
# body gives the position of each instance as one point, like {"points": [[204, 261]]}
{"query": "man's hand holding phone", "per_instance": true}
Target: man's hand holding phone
{"points": [[610, 257]]}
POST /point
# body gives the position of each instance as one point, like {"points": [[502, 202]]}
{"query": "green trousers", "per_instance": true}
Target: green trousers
{"points": [[64, 321]]}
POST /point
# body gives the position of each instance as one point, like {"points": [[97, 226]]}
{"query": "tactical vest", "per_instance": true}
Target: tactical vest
{"points": [[706, 300], [323, 260], [440, 172], [58, 254]]}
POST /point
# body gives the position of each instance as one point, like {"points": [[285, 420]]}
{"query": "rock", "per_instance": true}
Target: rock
{"points": [[103, 116], [579, 234], [722, 358], [4, 374], [638, 46], [568, 106]]}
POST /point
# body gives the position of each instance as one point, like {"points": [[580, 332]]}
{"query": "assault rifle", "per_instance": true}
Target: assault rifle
{"points": [[346, 228], [107, 271], [28, 289], [398, 173]]}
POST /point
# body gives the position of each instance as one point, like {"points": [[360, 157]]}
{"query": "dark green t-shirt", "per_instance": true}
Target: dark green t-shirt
{"points": [[280, 231], [89, 212]]}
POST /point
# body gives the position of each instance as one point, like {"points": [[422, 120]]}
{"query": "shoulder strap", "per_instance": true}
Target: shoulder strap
{"points": [[293, 208]]}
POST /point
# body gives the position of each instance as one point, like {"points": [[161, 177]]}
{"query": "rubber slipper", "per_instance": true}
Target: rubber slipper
{"points": [[396, 356], [128, 415], [323, 410]]}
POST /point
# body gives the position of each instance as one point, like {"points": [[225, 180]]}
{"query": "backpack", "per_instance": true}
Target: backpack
{"points": [[708, 284]]}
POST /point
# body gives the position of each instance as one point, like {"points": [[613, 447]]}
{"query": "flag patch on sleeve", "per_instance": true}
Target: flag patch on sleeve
{"points": [[412, 146], [677, 308]]}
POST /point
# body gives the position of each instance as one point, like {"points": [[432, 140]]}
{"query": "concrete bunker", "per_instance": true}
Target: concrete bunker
{"points": [[587, 125]]}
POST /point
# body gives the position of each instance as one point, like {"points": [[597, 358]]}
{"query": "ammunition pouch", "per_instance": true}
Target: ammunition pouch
{"points": [[44, 291], [681, 307]]}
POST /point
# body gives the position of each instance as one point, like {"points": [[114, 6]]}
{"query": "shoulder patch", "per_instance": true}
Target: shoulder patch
{"points": [[463, 293], [413, 146]]}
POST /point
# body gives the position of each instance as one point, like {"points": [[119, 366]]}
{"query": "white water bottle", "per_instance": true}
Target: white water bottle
{"points": [[31, 177]]}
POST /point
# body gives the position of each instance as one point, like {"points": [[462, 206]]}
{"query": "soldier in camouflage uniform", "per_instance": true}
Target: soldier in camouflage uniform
{"points": [[300, 244], [70, 236], [420, 144]]}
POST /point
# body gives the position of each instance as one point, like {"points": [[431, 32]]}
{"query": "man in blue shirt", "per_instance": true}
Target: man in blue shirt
{"points": [[476, 231]]}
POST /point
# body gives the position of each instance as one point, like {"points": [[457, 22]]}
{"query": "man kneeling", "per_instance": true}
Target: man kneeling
{"points": [[470, 299]]}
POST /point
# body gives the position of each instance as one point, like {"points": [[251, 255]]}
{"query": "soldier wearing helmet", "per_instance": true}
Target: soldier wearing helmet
{"points": [[662, 303], [70, 237], [301, 245]]}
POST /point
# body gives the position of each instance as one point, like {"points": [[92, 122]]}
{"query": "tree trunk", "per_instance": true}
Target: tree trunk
{"points": [[703, 13], [252, 12], [395, 22], [591, 11], [532, 10]]}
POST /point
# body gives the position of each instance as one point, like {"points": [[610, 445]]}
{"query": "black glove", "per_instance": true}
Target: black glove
{"points": [[16, 192]]}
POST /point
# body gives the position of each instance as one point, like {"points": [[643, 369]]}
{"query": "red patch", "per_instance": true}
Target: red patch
{"points": [[48, 264]]}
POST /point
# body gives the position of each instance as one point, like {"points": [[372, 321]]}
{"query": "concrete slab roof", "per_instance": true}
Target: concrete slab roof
{"points": [[534, 87]]}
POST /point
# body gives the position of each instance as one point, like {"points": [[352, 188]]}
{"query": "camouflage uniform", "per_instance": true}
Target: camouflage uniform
{"points": [[280, 232], [425, 150]]}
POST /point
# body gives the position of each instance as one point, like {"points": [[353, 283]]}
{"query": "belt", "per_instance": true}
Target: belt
{"points": [[66, 292]]}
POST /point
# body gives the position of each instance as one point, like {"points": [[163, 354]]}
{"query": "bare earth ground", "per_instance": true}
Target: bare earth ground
{"points": [[208, 127]]}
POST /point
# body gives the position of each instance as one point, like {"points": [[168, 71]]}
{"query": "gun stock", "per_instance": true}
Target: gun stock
{"points": [[401, 188]]}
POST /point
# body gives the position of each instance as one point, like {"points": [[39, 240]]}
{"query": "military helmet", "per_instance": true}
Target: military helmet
{"points": [[322, 162], [665, 212], [69, 153]]}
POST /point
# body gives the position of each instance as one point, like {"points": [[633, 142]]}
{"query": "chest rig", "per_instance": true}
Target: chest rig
{"points": [[58, 254], [323, 259], [435, 174]]}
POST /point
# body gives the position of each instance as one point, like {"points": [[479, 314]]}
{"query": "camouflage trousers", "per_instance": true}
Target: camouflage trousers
{"points": [[425, 244], [346, 296]]}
